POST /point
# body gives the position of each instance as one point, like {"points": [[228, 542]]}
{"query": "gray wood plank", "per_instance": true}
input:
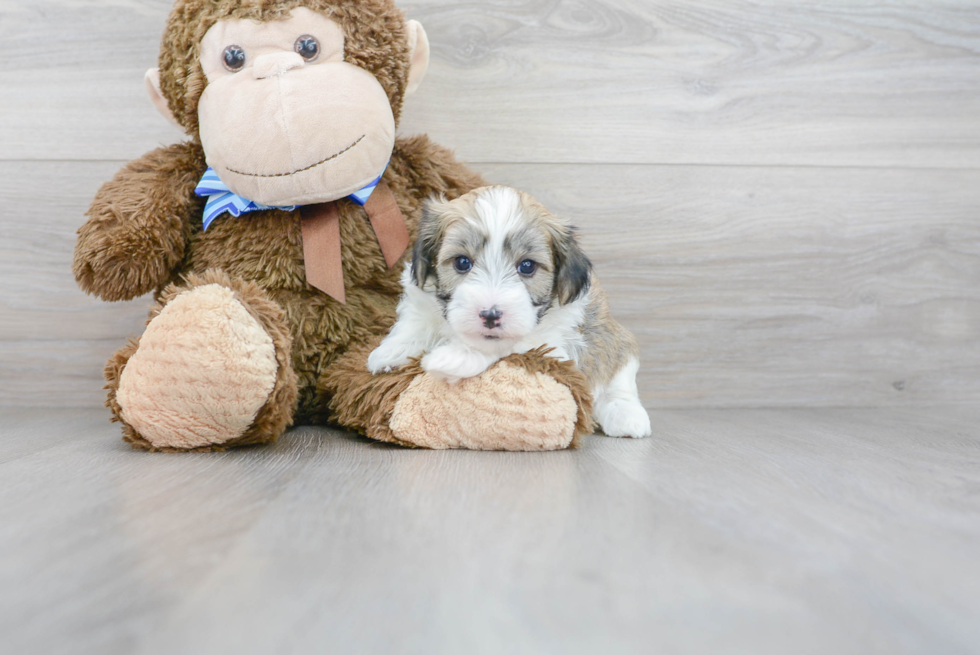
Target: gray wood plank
{"points": [[99, 540], [746, 286], [842, 477], [756, 531], [608, 81], [23, 434], [45, 373]]}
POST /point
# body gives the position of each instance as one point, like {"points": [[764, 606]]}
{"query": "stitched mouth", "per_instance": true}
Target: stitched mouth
{"points": [[302, 170]]}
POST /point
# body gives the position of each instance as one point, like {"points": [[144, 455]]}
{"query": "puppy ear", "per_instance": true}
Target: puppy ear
{"points": [[427, 243], [573, 270]]}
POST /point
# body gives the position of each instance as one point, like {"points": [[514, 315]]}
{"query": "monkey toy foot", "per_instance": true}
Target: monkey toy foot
{"points": [[211, 370], [524, 402]]}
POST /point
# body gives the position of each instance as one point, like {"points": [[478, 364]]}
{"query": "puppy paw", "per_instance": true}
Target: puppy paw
{"points": [[385, 359], [624, 418], [453, 364]]}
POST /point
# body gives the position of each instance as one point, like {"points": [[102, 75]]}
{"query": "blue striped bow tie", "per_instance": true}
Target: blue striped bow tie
{"points": [[221, 199]]}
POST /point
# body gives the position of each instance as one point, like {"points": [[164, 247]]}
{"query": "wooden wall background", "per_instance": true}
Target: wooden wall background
{"points": [[783, 201]]}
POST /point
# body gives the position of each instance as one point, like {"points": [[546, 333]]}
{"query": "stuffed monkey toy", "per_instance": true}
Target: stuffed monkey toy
{"points": [[273, 239]]}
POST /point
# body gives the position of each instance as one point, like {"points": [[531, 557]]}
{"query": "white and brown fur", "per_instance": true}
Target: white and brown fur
{"points": [[466, 321]]}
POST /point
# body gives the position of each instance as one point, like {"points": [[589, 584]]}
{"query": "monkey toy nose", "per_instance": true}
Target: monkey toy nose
{"points": [[491, 317], [275, 64]]}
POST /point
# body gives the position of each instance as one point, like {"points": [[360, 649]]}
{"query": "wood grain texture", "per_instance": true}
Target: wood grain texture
{"points": [[745, 286], [755, 531], [606, 81]]}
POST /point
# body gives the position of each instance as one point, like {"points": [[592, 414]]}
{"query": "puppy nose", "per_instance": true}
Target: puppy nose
{"points": [[275, 64], [491, 317]]}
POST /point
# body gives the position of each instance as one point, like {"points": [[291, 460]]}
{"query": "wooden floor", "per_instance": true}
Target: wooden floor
{"points": [[752, 531], [782, 201]]}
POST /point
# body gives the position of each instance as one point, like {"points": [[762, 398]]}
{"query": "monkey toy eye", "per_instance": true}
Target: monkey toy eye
{"points": [[234, 58], [462, 264], [527, 267], [307, 47]]}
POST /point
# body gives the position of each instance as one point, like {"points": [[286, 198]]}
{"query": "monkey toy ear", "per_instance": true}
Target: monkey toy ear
{"points": [[418, 44], [152, 82]]}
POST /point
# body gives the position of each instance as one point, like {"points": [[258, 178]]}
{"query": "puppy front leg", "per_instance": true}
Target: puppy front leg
{"points": [[415, 331], [396, 350], [453, 362]]}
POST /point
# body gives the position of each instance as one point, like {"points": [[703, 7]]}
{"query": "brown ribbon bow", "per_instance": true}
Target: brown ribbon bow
{"points": [[321, 239]]}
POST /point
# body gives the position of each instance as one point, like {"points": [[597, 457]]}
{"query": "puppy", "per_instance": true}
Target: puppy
{"points": [[494, 273]]}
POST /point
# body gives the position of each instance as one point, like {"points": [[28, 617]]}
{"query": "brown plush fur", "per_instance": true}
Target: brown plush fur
{"points": [[138, 227], [361, 401], [145, 232]]}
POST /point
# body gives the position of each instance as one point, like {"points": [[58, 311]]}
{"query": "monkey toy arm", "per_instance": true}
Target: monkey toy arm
{"points": [[139, 224]]}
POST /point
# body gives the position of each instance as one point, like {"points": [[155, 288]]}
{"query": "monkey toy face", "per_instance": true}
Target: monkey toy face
{"points": [[283, 118]]}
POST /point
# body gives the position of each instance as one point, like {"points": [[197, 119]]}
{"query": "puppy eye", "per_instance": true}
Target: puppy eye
{"points": [[307, 47], [233, 58], [527, 267], [462, 264]]}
